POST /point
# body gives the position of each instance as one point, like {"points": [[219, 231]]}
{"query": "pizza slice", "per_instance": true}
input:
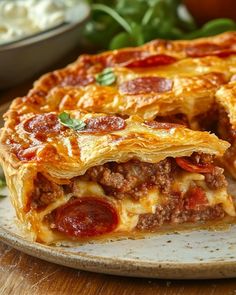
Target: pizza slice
{"points": [[79, 176]]}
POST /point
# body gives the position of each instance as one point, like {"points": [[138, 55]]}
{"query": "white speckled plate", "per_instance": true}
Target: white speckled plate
{"points": [[184, 255]]}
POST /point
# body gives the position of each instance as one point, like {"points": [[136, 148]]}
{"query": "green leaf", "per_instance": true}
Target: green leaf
{"points": [[66, 120], [106, 77], [147, 16], [218, 26], [2, 182], [121, 40], [213, 27], [132, 10], [137, 33], [3, 196], [119, 19]]}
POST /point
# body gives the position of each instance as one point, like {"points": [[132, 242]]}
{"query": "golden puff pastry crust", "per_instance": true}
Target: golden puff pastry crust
{"points": [[190, 96], [158, 79], [38, 139]]}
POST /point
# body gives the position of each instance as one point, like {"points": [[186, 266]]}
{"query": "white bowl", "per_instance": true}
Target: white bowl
{"points": [[23, 59]]}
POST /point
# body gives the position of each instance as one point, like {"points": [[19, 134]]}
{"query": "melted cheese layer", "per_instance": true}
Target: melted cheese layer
{"points": [[128, 209]]}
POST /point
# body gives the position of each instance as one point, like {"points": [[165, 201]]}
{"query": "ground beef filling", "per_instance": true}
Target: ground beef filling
{"points": [[224, 128], [181, 119], [227, 132], [174, 212], [208, 121], [214, 180], [134, 178], [45, 192], [201, 159]]}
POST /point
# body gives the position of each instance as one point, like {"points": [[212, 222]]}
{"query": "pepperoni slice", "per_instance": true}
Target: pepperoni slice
{"points": [[162, 125], [187, 165], [136, 58], [77, 80], [143, 85], [41, 125], [152, 61], [104, 124], [86, 217], [195, 198], [124, 57], [205, 49], [28, 154]]}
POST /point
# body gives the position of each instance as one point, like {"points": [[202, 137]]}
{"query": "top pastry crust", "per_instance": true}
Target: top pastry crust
{"points": [[161, 78]]}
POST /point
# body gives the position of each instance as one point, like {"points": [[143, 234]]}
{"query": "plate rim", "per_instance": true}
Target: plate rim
{"points": [[122, 267]]}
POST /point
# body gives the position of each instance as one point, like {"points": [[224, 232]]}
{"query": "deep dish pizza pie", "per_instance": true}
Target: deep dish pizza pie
{"points": [[109, 145]]}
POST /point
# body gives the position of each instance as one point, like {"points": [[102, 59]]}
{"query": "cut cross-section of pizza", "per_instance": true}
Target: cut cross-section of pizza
{"points": [[82, 176]]}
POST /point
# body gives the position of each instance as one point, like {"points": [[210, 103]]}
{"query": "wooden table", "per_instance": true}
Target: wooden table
{"points": [[21, 274]]}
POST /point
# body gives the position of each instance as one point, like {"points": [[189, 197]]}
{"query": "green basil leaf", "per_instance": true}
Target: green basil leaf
{"points": [[66, 120], [106, 77], [3, 196]]}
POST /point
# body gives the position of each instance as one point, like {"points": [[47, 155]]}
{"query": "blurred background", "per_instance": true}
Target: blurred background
{"points": [[37, 34], [133, 22]]}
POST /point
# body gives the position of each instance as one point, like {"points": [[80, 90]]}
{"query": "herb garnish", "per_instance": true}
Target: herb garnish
{"points": [[66, 120], [3, 196], [116, 24], [106, 77]]}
